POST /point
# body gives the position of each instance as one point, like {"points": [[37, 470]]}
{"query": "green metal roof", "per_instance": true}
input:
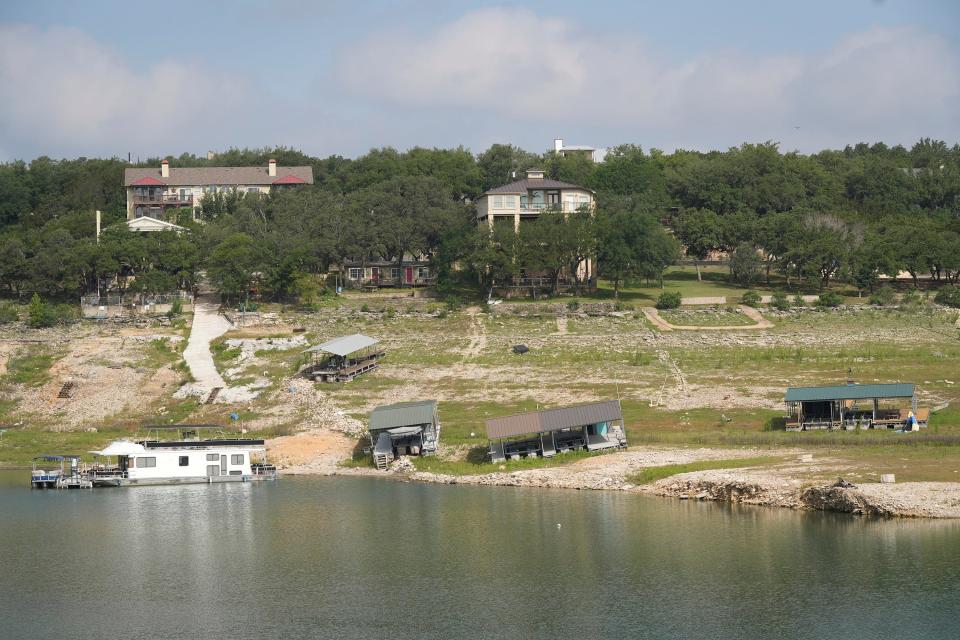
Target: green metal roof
{"points": [[850, 392], [404, 414]]}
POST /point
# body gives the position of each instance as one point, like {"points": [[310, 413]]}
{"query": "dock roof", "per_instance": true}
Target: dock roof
{"points": [[403, 414], [850, 392], [344, 345], [554, 419]]}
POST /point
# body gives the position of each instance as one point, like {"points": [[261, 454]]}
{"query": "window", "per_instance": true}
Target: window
{"points": [[423, 272], [210, 189], [213, 457], [236, 458], [253, 189], [146, 462], [237, 472], [184, 461], [356, 273], [213, 470], [395, 272], [504, 202]]}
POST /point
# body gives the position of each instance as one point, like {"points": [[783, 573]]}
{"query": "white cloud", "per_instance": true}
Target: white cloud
{"points": [[890, 84], [65, 93]]}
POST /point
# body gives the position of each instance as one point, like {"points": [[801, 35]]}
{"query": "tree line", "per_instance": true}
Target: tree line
{"points": [[850, 214]]}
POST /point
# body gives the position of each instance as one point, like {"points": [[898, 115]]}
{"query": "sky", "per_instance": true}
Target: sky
{"points": [[104, 78]]}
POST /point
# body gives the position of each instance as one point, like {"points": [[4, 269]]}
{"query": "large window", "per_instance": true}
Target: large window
{"points": [[504, 202], [356, 273], [184, 461], [146, 462], [236, 458]]}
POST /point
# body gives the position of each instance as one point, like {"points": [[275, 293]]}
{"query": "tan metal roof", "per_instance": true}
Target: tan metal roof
{"points": [[554, 419], [202, 176], [344, 345]]}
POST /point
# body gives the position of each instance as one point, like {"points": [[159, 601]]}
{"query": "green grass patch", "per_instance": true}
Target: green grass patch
{"points": [[706, 318], [31, 368], [652, 474]]}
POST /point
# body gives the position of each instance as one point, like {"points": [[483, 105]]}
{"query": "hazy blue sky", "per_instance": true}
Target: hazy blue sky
{"points": [[339, 77]]}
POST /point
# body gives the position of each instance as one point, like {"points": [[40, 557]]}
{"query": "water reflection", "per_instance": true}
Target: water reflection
{"points": [[361, 558]]}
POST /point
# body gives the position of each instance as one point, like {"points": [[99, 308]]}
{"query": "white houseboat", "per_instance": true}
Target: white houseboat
{"points": [[181, 462]]}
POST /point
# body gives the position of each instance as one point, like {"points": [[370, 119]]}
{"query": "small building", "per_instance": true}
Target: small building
{"points": [[849, 406], [373, 274], [404, 429], [546, 433], [343, 359]]}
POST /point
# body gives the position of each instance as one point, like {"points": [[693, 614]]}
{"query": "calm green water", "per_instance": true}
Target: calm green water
{"points": [[361, 558]]}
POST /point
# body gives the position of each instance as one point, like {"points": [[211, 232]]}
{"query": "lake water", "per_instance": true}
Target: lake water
{"points": [[365, 558]]}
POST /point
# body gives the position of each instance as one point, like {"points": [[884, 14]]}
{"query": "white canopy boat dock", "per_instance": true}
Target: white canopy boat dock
{"points": [[343, 359], [546, 433]]}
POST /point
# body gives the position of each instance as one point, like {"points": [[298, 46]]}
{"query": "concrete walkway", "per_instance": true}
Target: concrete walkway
{"points": [[208, 325], [658, 321]]}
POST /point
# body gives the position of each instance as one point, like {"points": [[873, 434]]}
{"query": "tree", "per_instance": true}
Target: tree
{"points": [[39, 313], [232, 265], [745, 263], [700, 231], [631, 244]]}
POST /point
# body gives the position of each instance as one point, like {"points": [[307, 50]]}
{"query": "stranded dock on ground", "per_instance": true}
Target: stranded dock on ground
{"points": [[852, 406], [546, 433]]}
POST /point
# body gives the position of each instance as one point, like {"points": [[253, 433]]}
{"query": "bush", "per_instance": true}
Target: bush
{"points": [[798, 301], [453, 303], [176, 308], [949, 296], [910, 297], [750, 298], [884, 296], [65, 313], [780, 302], [625, 306], [669, 300], [8, 313], [829, 299], [573, 305], [365, 308], [39, 313], [745, 264]]}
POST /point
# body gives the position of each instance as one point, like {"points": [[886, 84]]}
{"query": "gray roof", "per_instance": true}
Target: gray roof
{"points": [[849, 392], [403, 414], [345, 345], [200, 176], [554, 419], [522, 186]]}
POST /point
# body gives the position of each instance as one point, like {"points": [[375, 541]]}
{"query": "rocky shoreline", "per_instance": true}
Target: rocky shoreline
{"points": [[770, 487]]}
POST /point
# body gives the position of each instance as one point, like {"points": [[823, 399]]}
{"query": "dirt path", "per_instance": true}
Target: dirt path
{"points": [[761, 323], [478, 335], [561, 325], [208, 325]]}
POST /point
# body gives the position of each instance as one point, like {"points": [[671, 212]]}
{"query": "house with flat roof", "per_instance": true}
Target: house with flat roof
{"points": [[851, 406], [546, 433], [154, 192], [567, 150], [404, 429]]}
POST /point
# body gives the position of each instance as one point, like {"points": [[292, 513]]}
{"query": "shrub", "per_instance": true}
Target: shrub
{"points": [[176, 308], [910, 297], [750, 298], [8, 313], [780, 302], [745, 264], [453, 303], [625, 306], [65, 313], [365, 308], [884, 296], [949, 296], [830, 299], [573, 305], [39, 313], [669, 300], [798, 301]]}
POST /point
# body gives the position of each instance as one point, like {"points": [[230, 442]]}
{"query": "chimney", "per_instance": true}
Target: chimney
{"points": [[534, 174], [558, 145], [272, 168], [164, 169]]}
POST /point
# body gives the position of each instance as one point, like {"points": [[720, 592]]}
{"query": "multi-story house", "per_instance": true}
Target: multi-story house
{"points": [[527, 199], [152, 193]]}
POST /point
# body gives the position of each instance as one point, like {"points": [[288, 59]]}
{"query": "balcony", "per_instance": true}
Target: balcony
{"points": [[552, 206], [170, 200]]}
